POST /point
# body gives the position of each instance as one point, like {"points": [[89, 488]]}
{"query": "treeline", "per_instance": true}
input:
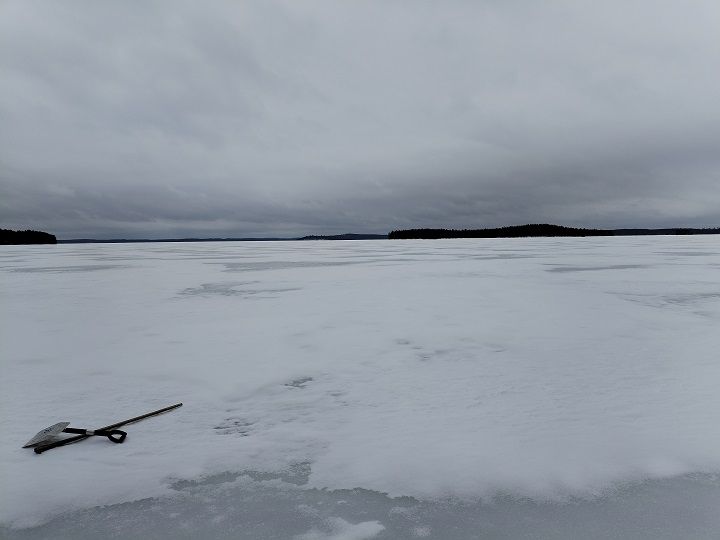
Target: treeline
{"points": [[537, 229], [675, 230], [515, 231], [9, 237]]}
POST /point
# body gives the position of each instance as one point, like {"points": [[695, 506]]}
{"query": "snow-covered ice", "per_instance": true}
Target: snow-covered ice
{"points": [[490, 388]]}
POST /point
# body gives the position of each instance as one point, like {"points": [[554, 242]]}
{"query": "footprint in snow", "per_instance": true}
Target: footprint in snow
{"points": [[230, 426], [299, 383]]}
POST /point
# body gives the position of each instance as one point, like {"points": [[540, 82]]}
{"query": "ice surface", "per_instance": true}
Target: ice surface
{"points": [[492, 388]]}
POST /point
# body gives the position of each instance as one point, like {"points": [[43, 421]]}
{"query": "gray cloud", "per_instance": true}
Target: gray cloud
{"points": [[283, 118]]}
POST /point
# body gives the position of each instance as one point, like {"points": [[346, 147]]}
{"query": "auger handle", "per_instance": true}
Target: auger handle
{"points": [[115, 435]]}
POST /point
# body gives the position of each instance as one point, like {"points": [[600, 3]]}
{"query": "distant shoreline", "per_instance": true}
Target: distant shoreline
{"points": [[348, 236], [516, 231], [539, 230]]}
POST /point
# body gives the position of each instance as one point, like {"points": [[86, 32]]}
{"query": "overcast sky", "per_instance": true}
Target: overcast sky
{"points": [[262, 118]]}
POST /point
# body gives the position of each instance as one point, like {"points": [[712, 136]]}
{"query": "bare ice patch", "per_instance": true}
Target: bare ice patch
{"points": [[336, 528], [561, 269], [245, 289], [254, 505], [691, 298], [706, 304], [69, 269], [281, 265]]}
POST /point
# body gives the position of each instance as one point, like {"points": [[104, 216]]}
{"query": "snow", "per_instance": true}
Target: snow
{"points": [[551, 380]]}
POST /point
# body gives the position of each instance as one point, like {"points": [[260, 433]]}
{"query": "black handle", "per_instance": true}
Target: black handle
{"points": [[115, 435]]}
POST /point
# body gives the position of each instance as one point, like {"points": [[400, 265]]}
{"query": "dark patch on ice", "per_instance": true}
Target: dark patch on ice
{"points": [[497, 257], [299, 383], [690, 298], [222, 289], [687, 253], [14, 261], [594, 268], [679, 299], [77, 268], [280, 265], [296, 474], [242, 289]]}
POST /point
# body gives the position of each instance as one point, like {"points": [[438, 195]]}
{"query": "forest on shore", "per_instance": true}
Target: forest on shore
{"points": [[10, 237], [536, 229]]}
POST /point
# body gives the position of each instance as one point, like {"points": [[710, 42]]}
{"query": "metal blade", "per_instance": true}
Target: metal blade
{"points": [[47, 434]]}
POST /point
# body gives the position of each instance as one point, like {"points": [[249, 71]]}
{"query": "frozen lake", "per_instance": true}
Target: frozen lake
{"points": [[489, 388]]}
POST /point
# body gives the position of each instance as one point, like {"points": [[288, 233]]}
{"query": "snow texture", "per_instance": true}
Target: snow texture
{"points": [[365, 389]]}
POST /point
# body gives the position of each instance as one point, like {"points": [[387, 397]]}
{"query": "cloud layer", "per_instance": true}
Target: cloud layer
{"points": [[271, 118]]}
